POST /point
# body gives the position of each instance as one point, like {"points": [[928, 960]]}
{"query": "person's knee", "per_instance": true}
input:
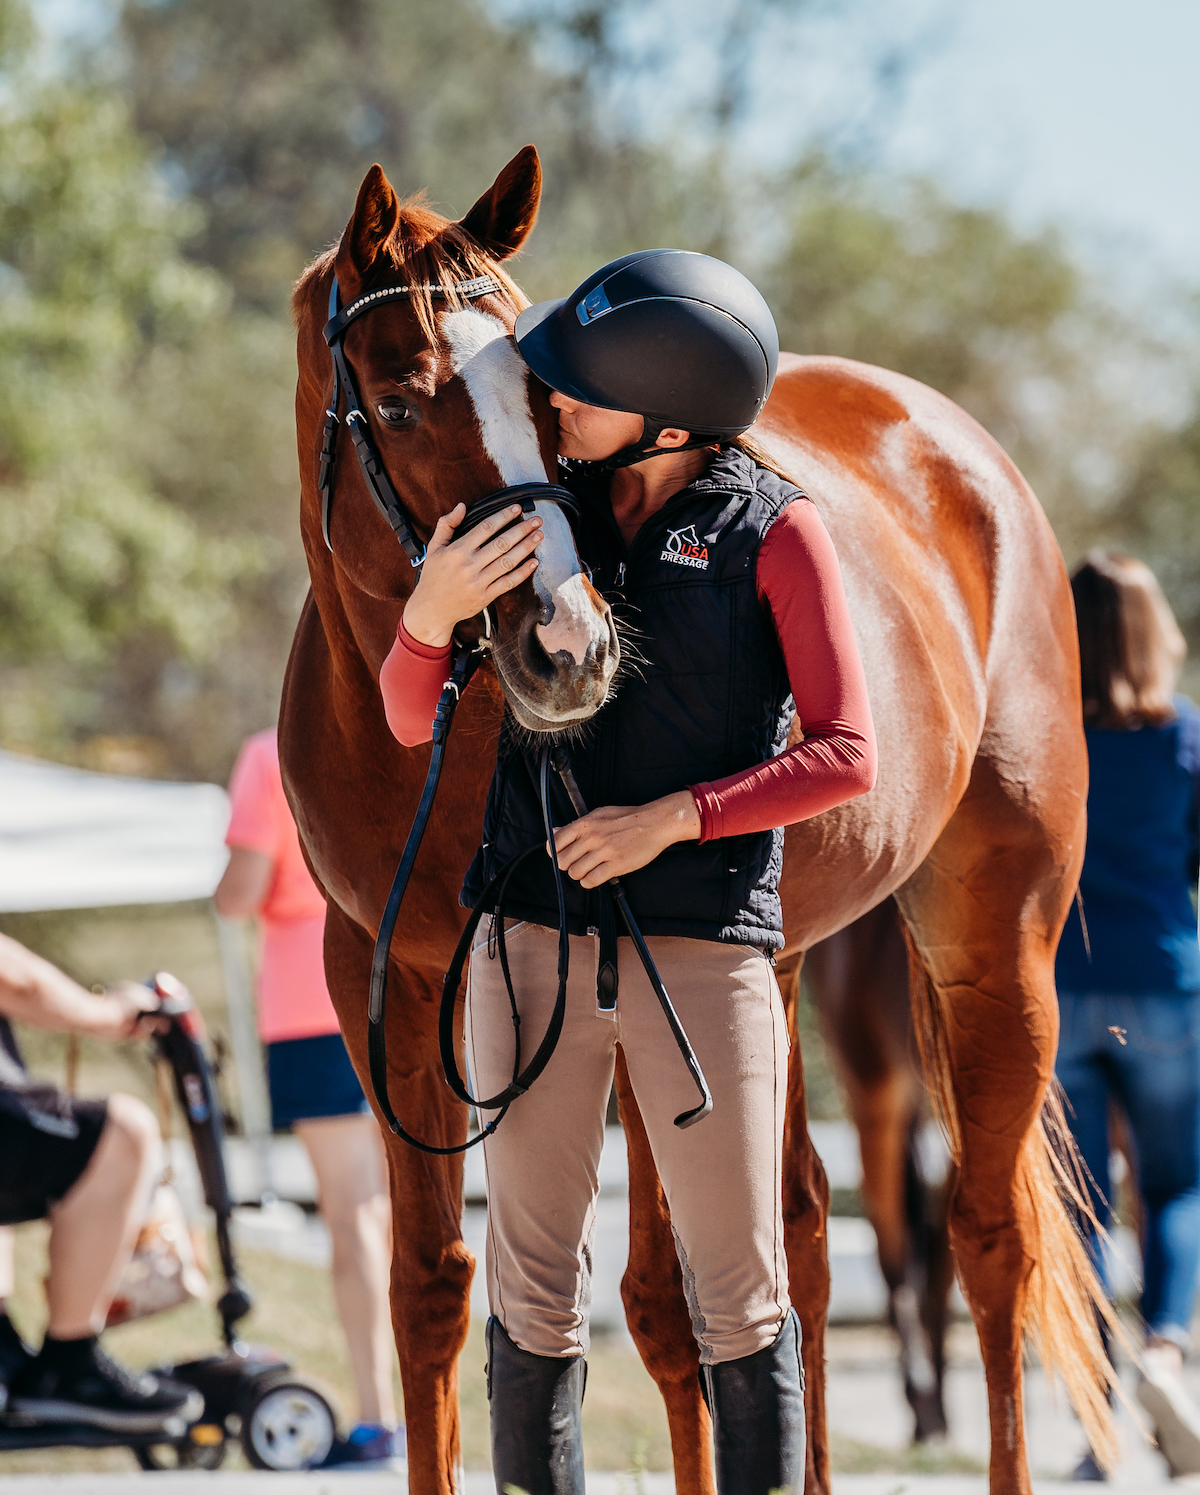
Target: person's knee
{"points": [[355, 1230], [132, 1127]]}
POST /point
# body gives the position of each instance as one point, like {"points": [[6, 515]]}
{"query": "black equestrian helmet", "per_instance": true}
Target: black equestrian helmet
{"points": [[679, 338]]}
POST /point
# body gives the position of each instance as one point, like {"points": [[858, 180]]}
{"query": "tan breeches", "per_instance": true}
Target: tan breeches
{"points": [[722, 1176]]}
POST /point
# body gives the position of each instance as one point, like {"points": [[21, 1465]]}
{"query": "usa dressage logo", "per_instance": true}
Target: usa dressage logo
{"points": [[685, 548]]}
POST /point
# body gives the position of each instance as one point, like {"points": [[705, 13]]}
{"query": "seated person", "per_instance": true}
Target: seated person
{"points": [[87, 1165]]}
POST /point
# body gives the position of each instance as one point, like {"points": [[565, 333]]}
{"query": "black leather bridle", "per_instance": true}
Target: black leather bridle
{"points": [[465, 661], [379, 484]]}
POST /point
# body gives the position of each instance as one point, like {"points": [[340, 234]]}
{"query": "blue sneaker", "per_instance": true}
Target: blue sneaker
{"points": [[369, 1445]]}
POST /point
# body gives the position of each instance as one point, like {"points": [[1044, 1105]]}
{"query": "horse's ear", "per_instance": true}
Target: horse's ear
{"points": [[373, 223], [504, 216]]}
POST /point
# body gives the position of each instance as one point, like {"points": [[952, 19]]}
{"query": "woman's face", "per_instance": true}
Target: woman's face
{"points": [[590, 434]]}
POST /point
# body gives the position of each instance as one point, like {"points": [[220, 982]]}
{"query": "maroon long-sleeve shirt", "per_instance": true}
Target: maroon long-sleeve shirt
{"points": [[799, 586]]}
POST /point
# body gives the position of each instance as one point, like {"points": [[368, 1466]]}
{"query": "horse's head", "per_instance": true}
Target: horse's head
{"points": [[453, 414]]}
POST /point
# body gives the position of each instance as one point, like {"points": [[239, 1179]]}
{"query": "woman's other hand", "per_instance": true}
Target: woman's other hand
{"points": [[460, 577], [618, 839]]}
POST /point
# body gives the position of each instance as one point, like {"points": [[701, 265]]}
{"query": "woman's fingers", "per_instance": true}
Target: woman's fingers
{"points": [[443, 530], [511, 579], [488, 531], [592, 868], [513, 554], [504, 549]]}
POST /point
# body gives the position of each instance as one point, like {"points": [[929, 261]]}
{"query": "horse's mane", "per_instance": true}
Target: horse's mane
{"points": [[428, 250]]}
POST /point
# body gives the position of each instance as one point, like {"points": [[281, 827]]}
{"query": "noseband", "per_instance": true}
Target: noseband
{"points": [[464, 664]]}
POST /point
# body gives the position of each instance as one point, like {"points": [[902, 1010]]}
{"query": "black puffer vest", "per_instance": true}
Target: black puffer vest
{"points": [[704, 695]]}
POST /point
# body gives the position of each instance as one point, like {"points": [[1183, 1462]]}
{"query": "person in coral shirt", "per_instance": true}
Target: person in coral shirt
{"points": [[314, 1089]]}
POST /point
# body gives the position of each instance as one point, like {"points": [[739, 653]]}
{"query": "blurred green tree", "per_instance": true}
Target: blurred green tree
{"points": [[120, 549], [269, 115], [1155, 517], [1006, 324], [146, 347]]}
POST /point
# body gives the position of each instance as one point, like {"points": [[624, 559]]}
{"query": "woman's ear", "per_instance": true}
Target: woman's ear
{"points": [[371, 225], [504, 216]]}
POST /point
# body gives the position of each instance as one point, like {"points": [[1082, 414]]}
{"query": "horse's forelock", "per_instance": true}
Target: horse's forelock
{"points": [[426, 249]]}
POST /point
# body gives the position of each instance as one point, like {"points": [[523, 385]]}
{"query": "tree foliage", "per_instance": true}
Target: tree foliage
{"points": [[107, 546], [271, 114], [154, 214]]}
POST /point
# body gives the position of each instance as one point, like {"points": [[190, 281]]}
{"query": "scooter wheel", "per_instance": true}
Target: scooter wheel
{"points": [[287, 1424], [182, 1455]]}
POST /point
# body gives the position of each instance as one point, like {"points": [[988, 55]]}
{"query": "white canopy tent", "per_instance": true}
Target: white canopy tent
{"points": [[74, 839]]}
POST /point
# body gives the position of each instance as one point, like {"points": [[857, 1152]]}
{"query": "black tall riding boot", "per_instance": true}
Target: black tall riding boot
{"points": [[537, 1406], [757, 1410]]}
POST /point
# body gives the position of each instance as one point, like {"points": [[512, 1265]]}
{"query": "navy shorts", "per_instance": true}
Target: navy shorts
{"points": [[47, 1139], [312, 1077]]}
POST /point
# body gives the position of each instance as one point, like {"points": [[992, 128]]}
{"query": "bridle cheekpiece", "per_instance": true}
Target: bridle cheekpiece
{"points": [[379, 483]]}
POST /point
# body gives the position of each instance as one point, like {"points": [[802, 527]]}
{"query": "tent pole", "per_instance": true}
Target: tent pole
{"points": [[247, 1051]]}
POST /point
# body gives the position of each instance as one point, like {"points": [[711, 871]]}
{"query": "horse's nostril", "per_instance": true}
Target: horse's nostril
{"points": [[569, 638]]}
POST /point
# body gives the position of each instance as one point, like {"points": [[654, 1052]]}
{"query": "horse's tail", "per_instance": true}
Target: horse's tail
{"points": [[1066, 1304]]}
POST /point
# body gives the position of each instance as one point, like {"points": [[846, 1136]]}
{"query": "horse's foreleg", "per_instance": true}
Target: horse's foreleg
{"points": [[805, 1211], [656, 1308], [431, 1267]]}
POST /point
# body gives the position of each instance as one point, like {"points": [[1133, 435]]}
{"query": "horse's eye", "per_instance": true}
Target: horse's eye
{"points": [[392, 413]]}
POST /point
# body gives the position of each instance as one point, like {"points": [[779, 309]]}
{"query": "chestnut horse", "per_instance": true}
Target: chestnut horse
{"points": [[966, 628], [858, 982]]}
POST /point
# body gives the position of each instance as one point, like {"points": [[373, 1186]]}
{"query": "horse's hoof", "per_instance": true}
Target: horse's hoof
{"points": [[929, 1414]]}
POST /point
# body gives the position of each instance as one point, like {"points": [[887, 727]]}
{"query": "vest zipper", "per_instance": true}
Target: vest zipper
{"points": [[620, 584]]}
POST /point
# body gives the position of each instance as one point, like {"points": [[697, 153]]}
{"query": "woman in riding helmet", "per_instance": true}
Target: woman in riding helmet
{"points": [[732, 598]]}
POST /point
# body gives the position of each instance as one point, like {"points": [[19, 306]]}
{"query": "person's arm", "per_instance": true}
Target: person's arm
{"points": [[458, 579], [245, 883], [256, 808], [410, 682], [35, 992], [800, 585]]}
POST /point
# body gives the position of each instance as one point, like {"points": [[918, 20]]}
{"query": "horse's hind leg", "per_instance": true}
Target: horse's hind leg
{"points": [[431, 1268], [933, 1275], [656, 1308], [859, 981], [805, 1211], [984, 913]]}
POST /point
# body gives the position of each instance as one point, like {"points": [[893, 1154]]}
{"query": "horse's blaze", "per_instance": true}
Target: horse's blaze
{"points": [[558, 667]]}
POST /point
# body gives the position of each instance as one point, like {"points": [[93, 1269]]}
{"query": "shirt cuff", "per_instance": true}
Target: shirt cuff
{"points": [[415, 646], [709, 807]]}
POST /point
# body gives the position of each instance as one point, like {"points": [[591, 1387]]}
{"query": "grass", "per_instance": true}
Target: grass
{"points": [[849, 1456], [625, 1426], [624, 1421]]}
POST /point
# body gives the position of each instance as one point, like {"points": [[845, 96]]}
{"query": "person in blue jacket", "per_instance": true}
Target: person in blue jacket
{"points": [[1128, 967]]}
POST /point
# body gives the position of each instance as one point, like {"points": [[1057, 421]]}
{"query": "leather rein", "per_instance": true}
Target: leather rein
{"points": [[465, 661]]}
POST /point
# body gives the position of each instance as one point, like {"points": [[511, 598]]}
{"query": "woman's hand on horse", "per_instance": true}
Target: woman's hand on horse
{"points": [[618, 839], [460, 577]]}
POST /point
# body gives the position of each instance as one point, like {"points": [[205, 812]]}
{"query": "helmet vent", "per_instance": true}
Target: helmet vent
{"points": [[593, 305]]}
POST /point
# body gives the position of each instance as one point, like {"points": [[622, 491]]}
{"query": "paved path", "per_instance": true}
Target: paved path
{"points": [[479, 1484]]}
